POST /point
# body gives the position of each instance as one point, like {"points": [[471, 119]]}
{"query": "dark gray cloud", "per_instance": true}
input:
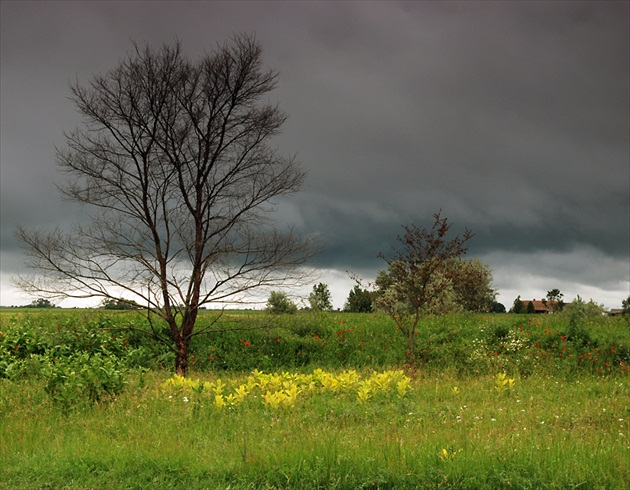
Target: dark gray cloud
{"points": [[511, 117]]}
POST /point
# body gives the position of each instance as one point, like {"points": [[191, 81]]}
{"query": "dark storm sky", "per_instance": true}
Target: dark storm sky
{"points": [[513, 118]]}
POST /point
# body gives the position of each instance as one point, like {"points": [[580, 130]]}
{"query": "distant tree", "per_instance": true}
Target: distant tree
{"points": [[457, 285], [554, 301], [175, 165], [415, 277], [472, 285], [625, 304], [359, 300], [278, 302], [320, 299], [518, 307], [580, 311], [119, 304], [41, 303], [498, 307], [530, 308]]}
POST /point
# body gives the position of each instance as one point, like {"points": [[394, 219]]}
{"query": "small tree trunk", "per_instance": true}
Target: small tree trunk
{"points": [[181, 357], [182, 341], [411, 345]]}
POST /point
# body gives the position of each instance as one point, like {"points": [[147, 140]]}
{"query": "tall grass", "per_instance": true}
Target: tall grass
{"points": [[564, 422], [545, 432]]}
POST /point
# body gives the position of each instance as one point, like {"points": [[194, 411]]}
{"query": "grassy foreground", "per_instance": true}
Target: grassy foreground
{"points": [[497, 401], [445, 432]]}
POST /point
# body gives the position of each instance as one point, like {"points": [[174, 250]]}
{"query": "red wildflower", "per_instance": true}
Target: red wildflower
{"points": [[246, 344]]}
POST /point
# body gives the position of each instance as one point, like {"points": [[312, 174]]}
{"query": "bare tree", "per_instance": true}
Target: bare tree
{"points": [[175, 168], [415, 280]]}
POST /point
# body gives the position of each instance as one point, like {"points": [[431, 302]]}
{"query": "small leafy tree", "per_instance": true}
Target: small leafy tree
{"points": [[119, 304], [41, 303], [415, 279], [625, 304], [554, 300], [498, 307], [359, 300], [518, 306], [320, 299], [278, 302], [472, 285]]}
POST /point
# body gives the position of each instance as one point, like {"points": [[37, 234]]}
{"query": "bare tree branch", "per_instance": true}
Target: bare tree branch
{"points": [[174, 165]]}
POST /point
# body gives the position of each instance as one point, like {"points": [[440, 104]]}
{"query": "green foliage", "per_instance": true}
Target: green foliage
{"points": [[29, 343], [554, 300], [497, 307], [472, 285], [459, 422], [41, 303], [359, 300], [462, 343], [417, 279], [83, 379], [278, 302], [119, 304], [320, 299], [581, 310], [518, 307], [545, 432]]}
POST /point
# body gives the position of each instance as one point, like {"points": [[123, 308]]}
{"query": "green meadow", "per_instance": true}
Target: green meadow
{"points": [[311, 400]]}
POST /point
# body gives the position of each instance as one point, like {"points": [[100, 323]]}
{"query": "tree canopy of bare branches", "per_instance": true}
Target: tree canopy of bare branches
{"points": [[175, 168]]}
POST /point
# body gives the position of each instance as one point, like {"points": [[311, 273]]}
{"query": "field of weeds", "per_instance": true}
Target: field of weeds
{"points": [[315, 401]]}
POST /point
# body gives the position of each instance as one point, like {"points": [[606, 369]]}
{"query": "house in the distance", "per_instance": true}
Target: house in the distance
{"points": [[540, 306]]}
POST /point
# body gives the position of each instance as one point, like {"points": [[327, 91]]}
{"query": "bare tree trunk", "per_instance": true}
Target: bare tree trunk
{"points": [[181, 357]]}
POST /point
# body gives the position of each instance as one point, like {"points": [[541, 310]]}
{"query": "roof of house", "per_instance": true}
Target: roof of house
{"points": [[539, 305]]}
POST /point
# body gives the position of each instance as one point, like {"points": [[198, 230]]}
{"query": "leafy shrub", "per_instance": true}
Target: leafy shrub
{"points": [[84, 379], [28, 343], [278, 302]]}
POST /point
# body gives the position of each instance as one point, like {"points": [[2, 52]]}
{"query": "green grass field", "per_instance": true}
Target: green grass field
{"points": [[107, 413]]}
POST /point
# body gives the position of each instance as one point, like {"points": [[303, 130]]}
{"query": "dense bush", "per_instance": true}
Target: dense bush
{"points": [[87, 356], [83, 359]]}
